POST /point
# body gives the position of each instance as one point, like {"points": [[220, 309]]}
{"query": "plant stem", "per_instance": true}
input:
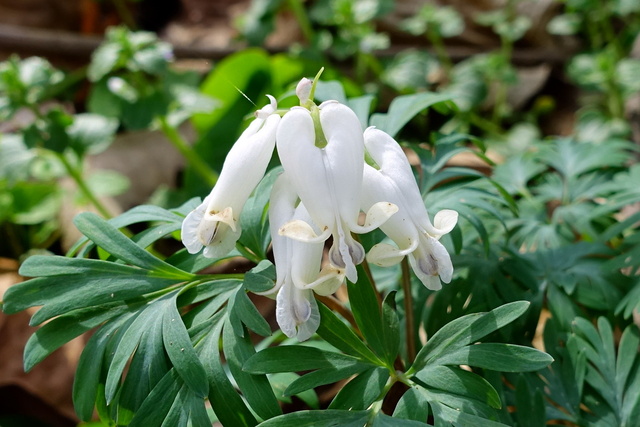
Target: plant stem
{"points": [[76, 175], [367, 270], [189, 154], [335, 305], [408, 311], [125, 14], [441, 51], [303, 20]]}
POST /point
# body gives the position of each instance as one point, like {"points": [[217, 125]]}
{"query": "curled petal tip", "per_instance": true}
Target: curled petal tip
{"points": [[303, 232], [267, 110], [225, 216], [445, 220], [384, 255], [378, 214]]}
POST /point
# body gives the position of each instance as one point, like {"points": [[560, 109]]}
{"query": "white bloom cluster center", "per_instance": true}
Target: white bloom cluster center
{"points": [[325, 185]]}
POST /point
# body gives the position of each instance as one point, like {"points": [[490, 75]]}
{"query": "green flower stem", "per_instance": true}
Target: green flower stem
{"points": [[441, 52], [248, 254], [408, 311], [125, 14], [189, 154], [76, 175], [335, 305], [303, 19]]}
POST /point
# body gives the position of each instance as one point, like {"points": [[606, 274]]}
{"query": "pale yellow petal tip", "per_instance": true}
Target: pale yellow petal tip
{"points": [[377, 215], [303, 232], [384, 255], [225, 216]]}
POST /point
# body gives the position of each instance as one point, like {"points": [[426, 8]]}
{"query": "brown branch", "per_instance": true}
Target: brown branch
{"points": [[37, 41]]}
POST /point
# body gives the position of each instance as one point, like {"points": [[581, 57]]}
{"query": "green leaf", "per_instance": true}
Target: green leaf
{"points": [[255, 387], [615, 380], [88, 373], [113, 241], [91, 133], [457, 381], [178, 414], [261, 277], [15, 158], [413, 405], [157, 405], [281, 381], [324, 418], [366, 311], [330, 90], [144, 319], [565, 24], [64, 328], [391, 328], [324, 376], [226, 403], [243, 310], [148, 366], [104, 59], [362, 390], [460, 419], [382, 420], [178, 345], [403, 108], [466, 330], [529, 405], [92, 283], [293, 358], [339, 335], [497, 357]]}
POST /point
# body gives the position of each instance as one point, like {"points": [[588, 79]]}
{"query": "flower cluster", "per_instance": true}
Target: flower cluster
{"points": [[325, 186]]}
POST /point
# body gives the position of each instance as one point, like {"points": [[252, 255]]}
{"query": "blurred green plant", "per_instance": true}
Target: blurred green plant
{"points": [[46, 142], [605, 70]]}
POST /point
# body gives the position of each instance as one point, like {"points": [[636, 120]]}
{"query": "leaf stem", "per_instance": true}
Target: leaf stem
{"points": [[200, 167], [408, 311], [76, 175], [335, 305], [125, 14]]}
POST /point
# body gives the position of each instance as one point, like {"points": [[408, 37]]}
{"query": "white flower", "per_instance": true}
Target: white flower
{"points": [[298, 272], [322, 152], [410, 228], [215, 223]]}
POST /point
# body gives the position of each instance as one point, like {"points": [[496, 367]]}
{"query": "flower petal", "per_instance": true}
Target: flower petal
{"points": [[377, 215], [445, 220], [304, 164], [190, 226], [244, 166], [302, 231], [297, 312], [431, 260]]}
